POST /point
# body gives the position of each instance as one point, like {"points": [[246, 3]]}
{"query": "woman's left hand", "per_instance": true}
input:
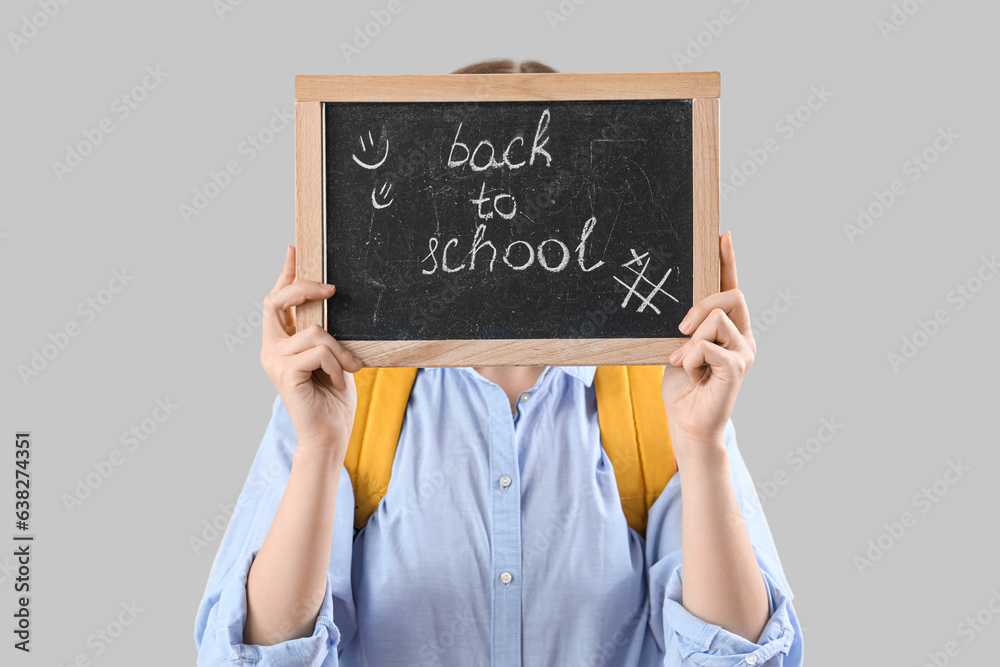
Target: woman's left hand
{"points": [[704, 375]]}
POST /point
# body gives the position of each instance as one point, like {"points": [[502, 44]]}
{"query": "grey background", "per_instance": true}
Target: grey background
{"points": [[824, 357]]}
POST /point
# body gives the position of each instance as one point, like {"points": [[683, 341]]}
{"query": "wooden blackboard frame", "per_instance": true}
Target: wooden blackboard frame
{"points": [[702, 88]]}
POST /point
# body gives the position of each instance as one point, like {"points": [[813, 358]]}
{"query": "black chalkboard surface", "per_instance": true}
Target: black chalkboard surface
{"points": [[508, 220]]}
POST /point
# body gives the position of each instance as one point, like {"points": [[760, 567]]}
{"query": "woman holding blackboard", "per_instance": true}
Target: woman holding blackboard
{"points": [[501, 541]]}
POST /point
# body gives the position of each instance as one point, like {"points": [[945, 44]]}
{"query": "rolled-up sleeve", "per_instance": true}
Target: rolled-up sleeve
{"points": [[223, 610], [684, 638], [226, 646]]}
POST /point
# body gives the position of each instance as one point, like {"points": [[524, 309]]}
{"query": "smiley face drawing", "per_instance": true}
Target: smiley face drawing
{"points": [[364, 149], [383, 193]]}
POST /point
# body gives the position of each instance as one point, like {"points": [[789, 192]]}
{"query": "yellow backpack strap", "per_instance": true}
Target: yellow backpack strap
{"points": [[635, 436], [382, 397]]}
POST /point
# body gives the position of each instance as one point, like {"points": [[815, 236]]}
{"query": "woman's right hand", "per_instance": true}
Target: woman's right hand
{"points": [[311, 370]]}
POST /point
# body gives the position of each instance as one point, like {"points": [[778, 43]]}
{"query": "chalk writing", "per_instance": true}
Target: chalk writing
{"points": [[530, 208]]}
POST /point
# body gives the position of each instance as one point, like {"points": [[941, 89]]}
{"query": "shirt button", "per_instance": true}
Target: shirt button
{"points": [[505, 481], [525, 396], [506, 577], [751, 659]]}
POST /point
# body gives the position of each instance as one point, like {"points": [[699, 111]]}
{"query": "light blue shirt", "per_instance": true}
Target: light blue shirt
{"points": [[500, 541]]}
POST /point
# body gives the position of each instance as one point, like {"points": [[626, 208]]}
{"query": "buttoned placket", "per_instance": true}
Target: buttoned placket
{"points": [[505, 491]]}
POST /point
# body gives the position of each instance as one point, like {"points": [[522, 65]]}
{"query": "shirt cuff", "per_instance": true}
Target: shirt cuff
{"points": [[312, 651], [708, 645]]}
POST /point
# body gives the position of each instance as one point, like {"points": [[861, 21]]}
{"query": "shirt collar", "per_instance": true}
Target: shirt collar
{"points": [[584, 374]]}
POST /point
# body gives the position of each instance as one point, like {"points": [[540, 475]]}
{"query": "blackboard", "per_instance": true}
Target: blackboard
{"points": [[613, 177], [498, 220]]}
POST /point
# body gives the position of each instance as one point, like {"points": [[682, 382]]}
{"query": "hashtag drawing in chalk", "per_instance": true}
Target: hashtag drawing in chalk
{"points": [[640, 275]]}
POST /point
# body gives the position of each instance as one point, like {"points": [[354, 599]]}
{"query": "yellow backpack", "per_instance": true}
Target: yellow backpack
{"points": [[630, 411]]}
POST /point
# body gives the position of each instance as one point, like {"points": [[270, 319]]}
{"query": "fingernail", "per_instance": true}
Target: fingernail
{"points": [[289, 250], [329, 286], [673, 356], [684, 323]]}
